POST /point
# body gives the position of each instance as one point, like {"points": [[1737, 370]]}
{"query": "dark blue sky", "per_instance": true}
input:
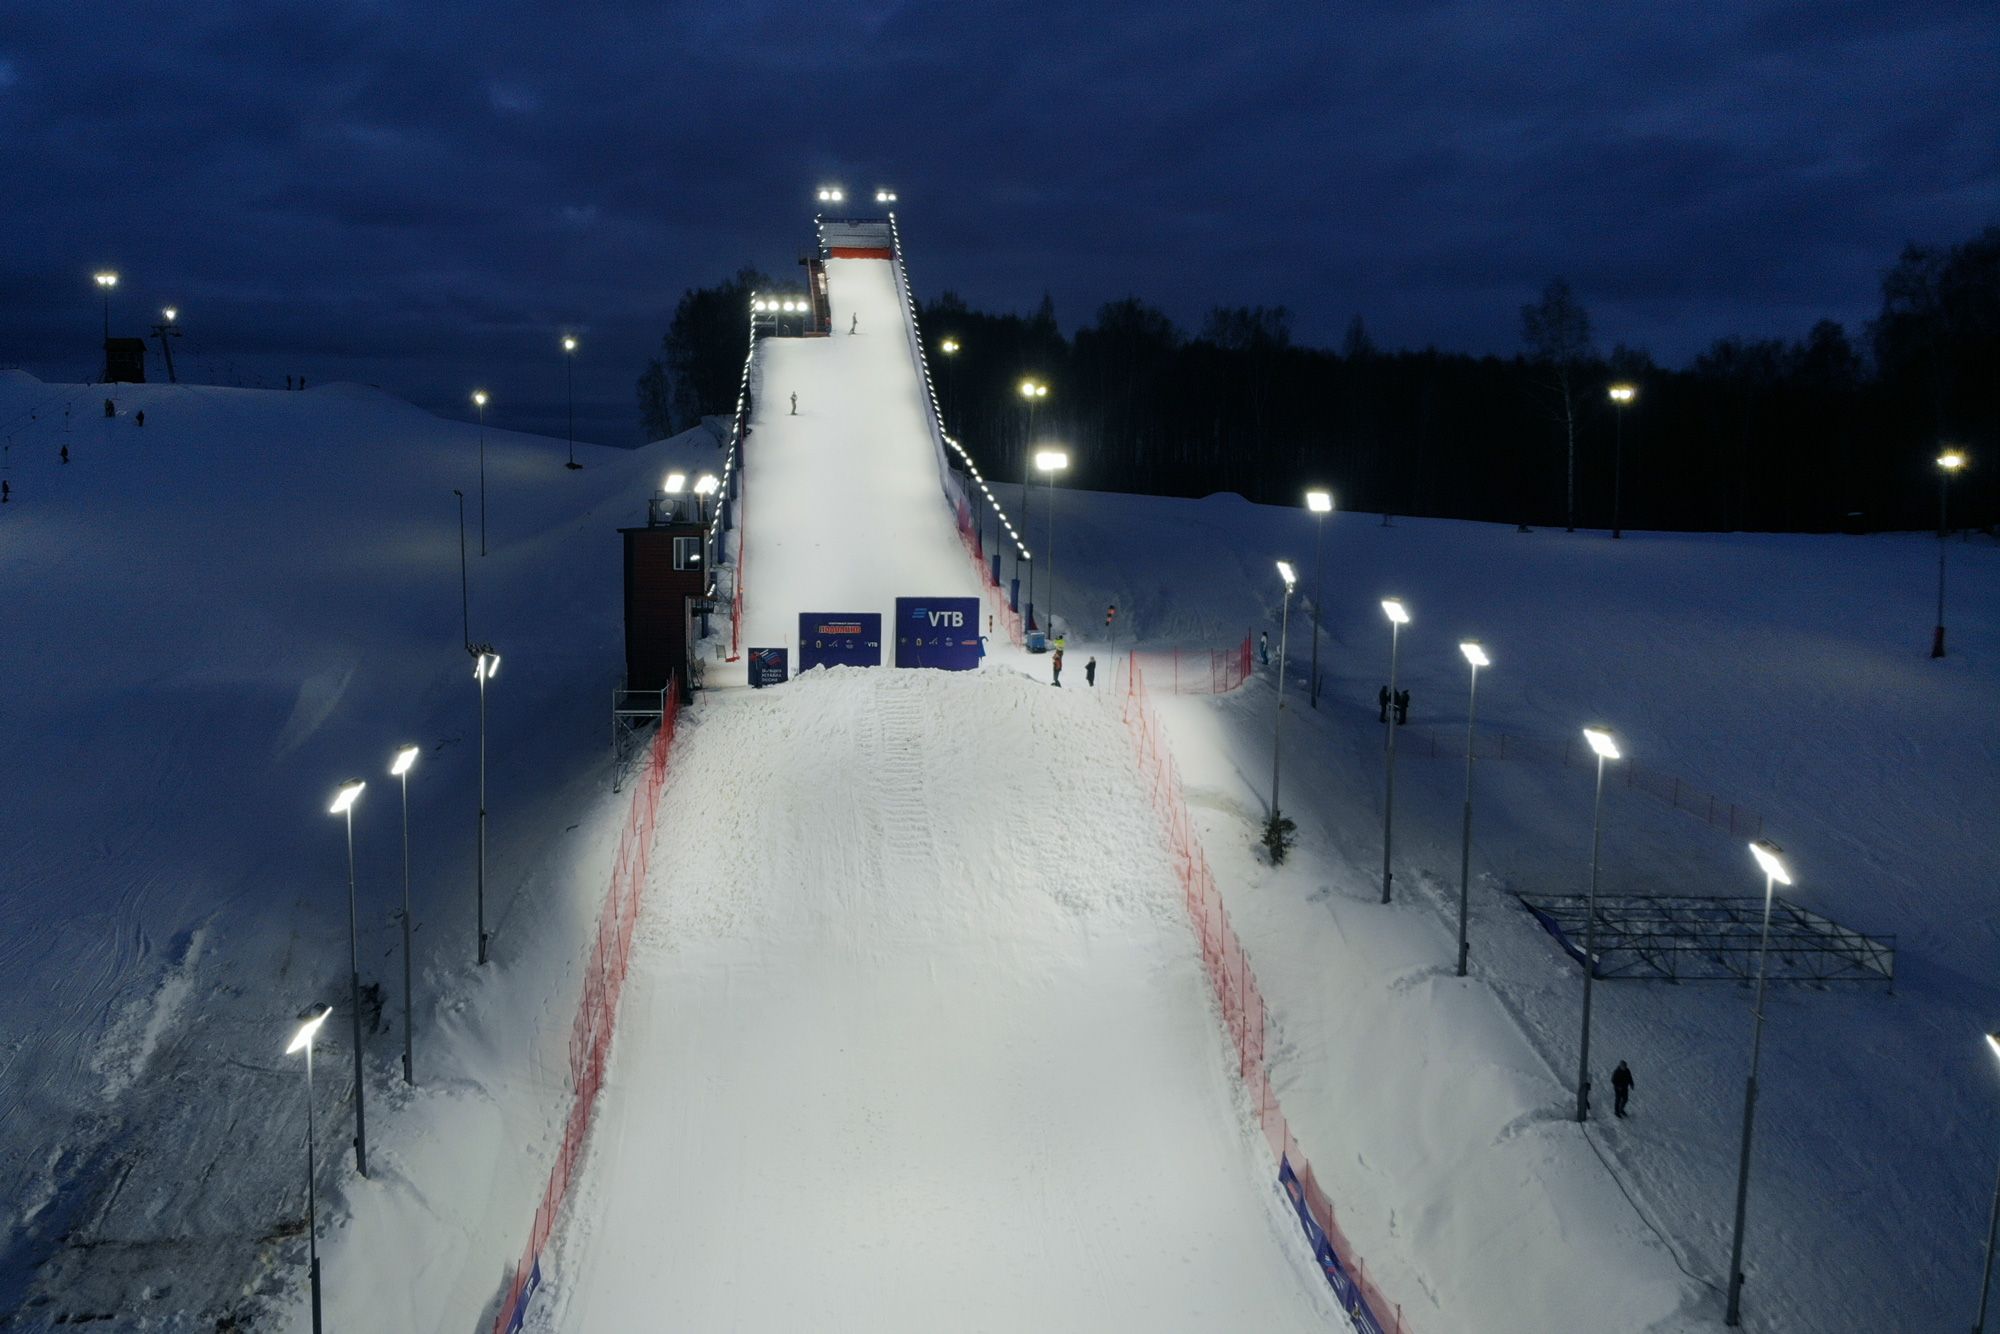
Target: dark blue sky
{"points": [[421, 195]]}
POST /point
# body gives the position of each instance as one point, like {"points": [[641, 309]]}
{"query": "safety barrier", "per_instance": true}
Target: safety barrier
{"points": [[998, 611], [596, 1012], [1202, 671], [1244, 1014]]}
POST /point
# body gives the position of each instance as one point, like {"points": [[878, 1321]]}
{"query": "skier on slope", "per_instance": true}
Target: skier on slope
{"points": [[1621, 1087]]}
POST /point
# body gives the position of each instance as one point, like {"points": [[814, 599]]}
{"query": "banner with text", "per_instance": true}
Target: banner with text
{"points": [[840, 639], [938, 632]]}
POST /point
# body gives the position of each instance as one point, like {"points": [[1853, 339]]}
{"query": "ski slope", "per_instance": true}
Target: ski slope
{"points": [[916, 1034]]}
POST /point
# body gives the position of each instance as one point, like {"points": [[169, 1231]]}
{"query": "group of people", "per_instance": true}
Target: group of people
{"points": [[1399, 701], [1060, 643]]}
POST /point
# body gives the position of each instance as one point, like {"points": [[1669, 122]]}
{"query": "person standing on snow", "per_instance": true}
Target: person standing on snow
{"points": [[1056, 662], [1090, 672], [65, 453], [1264, 647], [853, 322], [795, 405], [1621, 1087], [1402, 707], [1383, 700]]}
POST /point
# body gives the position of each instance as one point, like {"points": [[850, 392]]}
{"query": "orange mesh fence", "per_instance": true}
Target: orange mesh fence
{"points": [[1243, 1010], [996, 597], [596, 1012], [1199, 671]]}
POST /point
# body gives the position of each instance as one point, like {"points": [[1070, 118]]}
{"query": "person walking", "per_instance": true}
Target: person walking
{"points": [[65, 453], [140, 417], [1621, 1087], [1056, 662], [1402, 707], [1383, 699], [1090, 672], [795, 405], [1264, 647], [6, 492], [853, 323]]}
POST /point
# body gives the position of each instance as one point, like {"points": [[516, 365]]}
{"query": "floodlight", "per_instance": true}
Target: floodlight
{"points": [[675, 481], [349, 793], [107, 279], [948, 346], [1993, 1041], [1771, 861], [705, 484], [1319, 502], [1475, 653], [1051, 460], [405, 757], [1622, 394], [1285, 573], [569, 343], [171, 313], [1393, 608], [1951, 460], [1603, 742], [307, 1030], [479, 398], [487, 667], [1029, 389]]}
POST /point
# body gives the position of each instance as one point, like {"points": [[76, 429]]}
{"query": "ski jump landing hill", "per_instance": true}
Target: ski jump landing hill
{"points": [[915, 1033]]}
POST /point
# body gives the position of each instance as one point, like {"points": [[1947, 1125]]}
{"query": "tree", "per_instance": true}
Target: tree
{"points": [[1357, 345], [1556, 332], [700, 365]]}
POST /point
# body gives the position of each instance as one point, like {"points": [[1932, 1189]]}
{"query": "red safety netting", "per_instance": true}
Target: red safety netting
{"points": [[597, 1007], [998, 612], [1229, 971], [1197, 671]]}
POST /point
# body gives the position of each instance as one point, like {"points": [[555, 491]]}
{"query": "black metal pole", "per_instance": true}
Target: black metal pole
{"points": [[482, 479], [409, 1030], [1986, 1276], [1734, 1316], [1590, 949], [1389, 801], [480, 888], [312, 1189], [1465, 846], [464, 586], [354, 980], [1937, 639], [1319, 587], [1618, 477]]}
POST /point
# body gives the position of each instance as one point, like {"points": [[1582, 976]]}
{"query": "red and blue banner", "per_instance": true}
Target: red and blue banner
{"points": [[767, 667], [840, 639]]}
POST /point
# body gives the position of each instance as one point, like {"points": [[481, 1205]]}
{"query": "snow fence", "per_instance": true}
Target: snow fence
{"points": [[1202, 671], [1244, 1014], [596, 1012]]}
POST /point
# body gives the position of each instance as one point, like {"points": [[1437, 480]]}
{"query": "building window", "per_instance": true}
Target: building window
{"points": [[687, 553]]}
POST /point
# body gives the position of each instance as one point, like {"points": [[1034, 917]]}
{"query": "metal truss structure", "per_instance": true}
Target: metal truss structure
{"points": [[1692, 938]]}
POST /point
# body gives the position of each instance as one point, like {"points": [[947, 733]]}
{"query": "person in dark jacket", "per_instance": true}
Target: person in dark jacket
{"points": [[1055, 660], [65, 453], [1383, 699], [1090, 672], [1402, 707], [1621, 1087], [1264, 647]]}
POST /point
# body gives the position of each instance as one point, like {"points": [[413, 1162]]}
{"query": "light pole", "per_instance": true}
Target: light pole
{"points": [[1771, 861], [1948, 464], [569, 374], [166, 330], [1278, 728], [1992, 1227], [1049, 462], [1475, 658], [479, 401], [343, 804], [1032, 392], [303, 1041], [485, 667], [1606, 745], [1622, 395], [106, 280], [949, 347], [464, 584], [1399, 617], [400, 768], [1320, 503]]}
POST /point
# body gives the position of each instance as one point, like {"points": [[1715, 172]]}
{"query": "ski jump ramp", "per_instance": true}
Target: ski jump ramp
{"points": [[916, 1036]]}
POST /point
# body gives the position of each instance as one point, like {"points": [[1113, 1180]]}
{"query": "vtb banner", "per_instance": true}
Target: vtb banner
{"points": [[840, 639], [938, 632]]}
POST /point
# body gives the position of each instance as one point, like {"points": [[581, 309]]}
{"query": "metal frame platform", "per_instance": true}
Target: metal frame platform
{"points": [[1693, 938], [632, 712]]}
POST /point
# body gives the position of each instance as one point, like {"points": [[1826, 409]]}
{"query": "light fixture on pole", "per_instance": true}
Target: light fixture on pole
{"points": [[831, 194], [1278, 727], [1606, 747], [479, 401], [1475, 658], [1320, 504], [704, 487], [343, 804], [1949, 463], [1399, 616], [1621, 395], [166, 331], [950, 348], [1992, 1226], [569, 374], [303, 1041], [106, 280], [1771, 861], [1032, 392], [400, 768], [885, 196], [486, 666], [1050, 462]]}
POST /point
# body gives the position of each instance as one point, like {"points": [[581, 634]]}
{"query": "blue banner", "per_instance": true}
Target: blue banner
{"points": [[767, 667], [938, 632], [1344, 1287], [840, 639]]}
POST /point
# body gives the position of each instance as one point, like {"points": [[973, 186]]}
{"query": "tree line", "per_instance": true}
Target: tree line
{"points": [[1837, 430]]}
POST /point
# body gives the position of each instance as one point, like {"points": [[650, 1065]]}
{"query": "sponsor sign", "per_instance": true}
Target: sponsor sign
{"points": [[767, 667], [938, 632], [840, 639]]}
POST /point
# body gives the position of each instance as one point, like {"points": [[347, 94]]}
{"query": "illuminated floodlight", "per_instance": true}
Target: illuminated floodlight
{"points": [[705, 484], [1993, 1041], [1475, 653], [1393, 608], [1771, 860], [1621, 394], [1951, 460], [1285, 573], [487, 667], [885, 196], [172, 313], [569, 343], [948, 346], [479, 398], [307, 1031], [1051, 460], [1031, 389], [831, 194], [1603, 742], [1319, 502], [106, 278], [675, 481], [350, 792], [405, 757]]}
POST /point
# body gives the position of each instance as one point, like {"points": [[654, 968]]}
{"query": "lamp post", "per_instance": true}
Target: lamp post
{"points": [[486, 666], [704, 487], [303, 1041], [1992, 1227], [949, 347], [1948, 464], [343, 804], [1049, 462], [106, 280], [1771, 861], [479, 401], [1475, 658], [569, 374], [1278, 728], [400, 768], [1399, 617], [1622, 395], [1320, 503], [1606, 745], [166, 331], [1032, 392]]}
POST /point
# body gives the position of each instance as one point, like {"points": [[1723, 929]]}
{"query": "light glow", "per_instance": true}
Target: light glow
{"points": [[1393, 608], [675, 481], [307, 1031], [1030, 389], [1051, 460], [1993, 1041], [107, 279], [1319, 502], [479, 398], [569, 343], [487, 667], [705, 484], [1771, 860], [1285, 573], [1601, 741], [350, 792], [948, 346], [1951, 460], [405, 757], [1621, 394], [1475, 653], [172, 313]]}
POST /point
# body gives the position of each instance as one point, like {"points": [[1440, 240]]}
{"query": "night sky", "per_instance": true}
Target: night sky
{"points": [[424, 195]]}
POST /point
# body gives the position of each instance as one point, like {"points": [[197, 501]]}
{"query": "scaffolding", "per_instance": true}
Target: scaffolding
{"points": [[633, 713], [1691, 938]]}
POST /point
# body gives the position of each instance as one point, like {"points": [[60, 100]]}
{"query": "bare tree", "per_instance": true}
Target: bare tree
{"points": [[1556, 331]]}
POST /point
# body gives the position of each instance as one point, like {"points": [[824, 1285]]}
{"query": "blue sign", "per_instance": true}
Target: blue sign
{"points": [[767, 667], [938, 632], [840, 639]]}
